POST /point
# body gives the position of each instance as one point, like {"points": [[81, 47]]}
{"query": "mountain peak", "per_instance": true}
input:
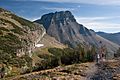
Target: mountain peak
{"points": [[59, 18], [64, 27], [66, 13], [64, 16]]}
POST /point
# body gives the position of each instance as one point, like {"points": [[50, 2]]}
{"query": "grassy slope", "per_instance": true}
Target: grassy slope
{"points": [[13, 36]]}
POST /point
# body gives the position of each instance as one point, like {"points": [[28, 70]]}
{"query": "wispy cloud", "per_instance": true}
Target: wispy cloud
{"points": [[89, 19], [97, 24], [58, 8], [52, 9], [96, 2]]}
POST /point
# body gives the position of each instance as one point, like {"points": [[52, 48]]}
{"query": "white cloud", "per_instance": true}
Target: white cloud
{"points": [[98, 2], [95, 24], [89, 19], [59, 9]]}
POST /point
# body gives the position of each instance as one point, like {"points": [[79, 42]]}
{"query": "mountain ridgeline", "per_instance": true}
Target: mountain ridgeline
{"points": [[64, 27], [114, 37]]}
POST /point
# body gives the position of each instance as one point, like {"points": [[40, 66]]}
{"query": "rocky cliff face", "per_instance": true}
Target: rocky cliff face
{"points": [[63, 26], [17, 35]]}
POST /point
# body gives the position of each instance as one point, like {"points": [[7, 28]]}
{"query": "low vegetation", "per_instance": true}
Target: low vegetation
{"points": [[64, 56], [10, 43]]}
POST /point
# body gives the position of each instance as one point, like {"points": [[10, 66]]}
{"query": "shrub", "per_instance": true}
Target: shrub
{"points": [[3, 29], [48, 61], [69, 56]]}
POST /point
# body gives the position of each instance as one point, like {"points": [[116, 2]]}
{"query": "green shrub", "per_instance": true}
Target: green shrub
{"points": [[3, 29], [48, 61], [9, 43], [1, 33], [28, 60], [18, 30], [69, 56], [5, 57]]}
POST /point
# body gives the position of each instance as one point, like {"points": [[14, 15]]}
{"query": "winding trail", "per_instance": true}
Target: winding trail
{"points": [[91, 71], [107, 70], [83, 71]]}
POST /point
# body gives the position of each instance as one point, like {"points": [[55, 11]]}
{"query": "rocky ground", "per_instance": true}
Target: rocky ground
{"points": [[107, 70]]}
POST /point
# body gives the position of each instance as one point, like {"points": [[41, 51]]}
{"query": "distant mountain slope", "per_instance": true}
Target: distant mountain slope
{"points": [[63, 26], [114, 37]]}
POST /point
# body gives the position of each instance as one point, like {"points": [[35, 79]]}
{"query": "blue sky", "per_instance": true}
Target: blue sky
{"points": [[99, 15]]}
